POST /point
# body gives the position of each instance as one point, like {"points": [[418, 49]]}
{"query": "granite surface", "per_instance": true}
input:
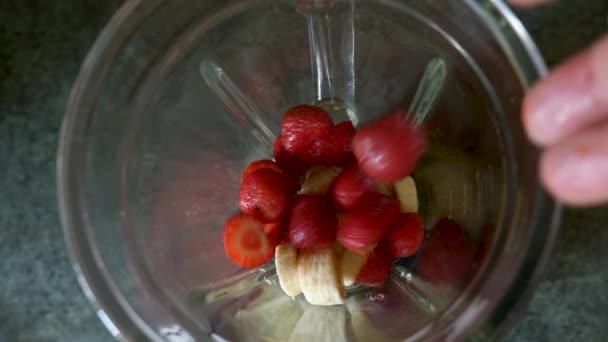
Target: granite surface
{"points": [[42, 43]]}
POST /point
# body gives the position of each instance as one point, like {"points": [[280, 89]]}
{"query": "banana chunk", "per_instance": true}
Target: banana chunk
{"points": [[407, 195], [320, 277], [351, 264], [318, 180], [286, 261]]}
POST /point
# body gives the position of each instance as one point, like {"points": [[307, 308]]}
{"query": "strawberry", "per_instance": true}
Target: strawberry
{"points": [[448, 257], [266, 194], [245, 241], [260, 164], [406, 234], [388, 150], [365, 226], [383, 207], [350, 185], [312, 223], [302, 125], [276, 232], [334, 147], [291, 163], [378, 267]]}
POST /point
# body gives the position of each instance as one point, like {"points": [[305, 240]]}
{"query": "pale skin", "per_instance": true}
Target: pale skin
{"points": [[566, 114]]}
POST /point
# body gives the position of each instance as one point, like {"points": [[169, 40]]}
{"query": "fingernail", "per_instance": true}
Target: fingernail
{"points": [[554, 105]]}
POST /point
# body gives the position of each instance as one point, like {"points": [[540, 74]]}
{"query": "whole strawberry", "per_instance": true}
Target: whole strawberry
{"points": [[389, 149], [365, 226], [313, 223], [334, 147], [266, 194], [291, 163], [406, 234], [378, 267], [302, 125], [350, 185], [448, 257]]}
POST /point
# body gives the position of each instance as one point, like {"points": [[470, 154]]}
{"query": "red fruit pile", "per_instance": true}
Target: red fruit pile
{"points": [[274, 209]]}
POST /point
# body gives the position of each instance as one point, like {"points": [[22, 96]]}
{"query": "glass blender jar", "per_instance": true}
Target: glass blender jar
{"points": [[177, 97]]}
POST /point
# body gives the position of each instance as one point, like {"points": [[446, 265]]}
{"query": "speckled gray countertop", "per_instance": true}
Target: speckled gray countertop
{"points": [[42, 43]]}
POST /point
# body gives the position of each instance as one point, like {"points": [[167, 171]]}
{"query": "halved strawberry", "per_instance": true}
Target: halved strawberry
{"points": [[260, 164], [276, 232], [246, 242], [365, 226], [406, 234], [313, 223], [266, 194], [448, 257], [388, 150], [378, 267], [288, 162], [350, 185], [302, 125], [334, 147]]}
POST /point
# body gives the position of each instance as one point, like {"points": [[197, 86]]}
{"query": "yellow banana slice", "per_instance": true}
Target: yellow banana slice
{"points": [[286, 261], [320, 276], [318, 180], [407, 195], [350, 265]]}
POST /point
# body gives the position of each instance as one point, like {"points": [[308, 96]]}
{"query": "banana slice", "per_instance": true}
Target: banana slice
{"points": [[319, 179], [351, 263], [320, 278], [407, 195], [320, 324], [286, 261]]}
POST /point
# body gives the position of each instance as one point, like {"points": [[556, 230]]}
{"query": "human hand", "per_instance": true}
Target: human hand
{"points": [[567, 114]]}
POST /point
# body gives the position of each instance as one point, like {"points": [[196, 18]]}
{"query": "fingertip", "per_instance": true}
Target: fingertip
{"points": [[576, 172], [554, 177], [557, 177], [562, 103], [530, 118]]}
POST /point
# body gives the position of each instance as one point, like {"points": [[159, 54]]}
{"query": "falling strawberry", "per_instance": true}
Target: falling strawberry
{"points": [[448, 257], [334, 147], [291, 163], [266, 195], [350, 185], [388, 150], [378, 267], [365, 226], [406, 234], [313, 223], [246, 242], [260, 164], [302, 125]]}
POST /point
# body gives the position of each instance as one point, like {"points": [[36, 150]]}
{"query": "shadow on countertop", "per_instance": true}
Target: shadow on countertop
{"points": [[42, 44]]}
